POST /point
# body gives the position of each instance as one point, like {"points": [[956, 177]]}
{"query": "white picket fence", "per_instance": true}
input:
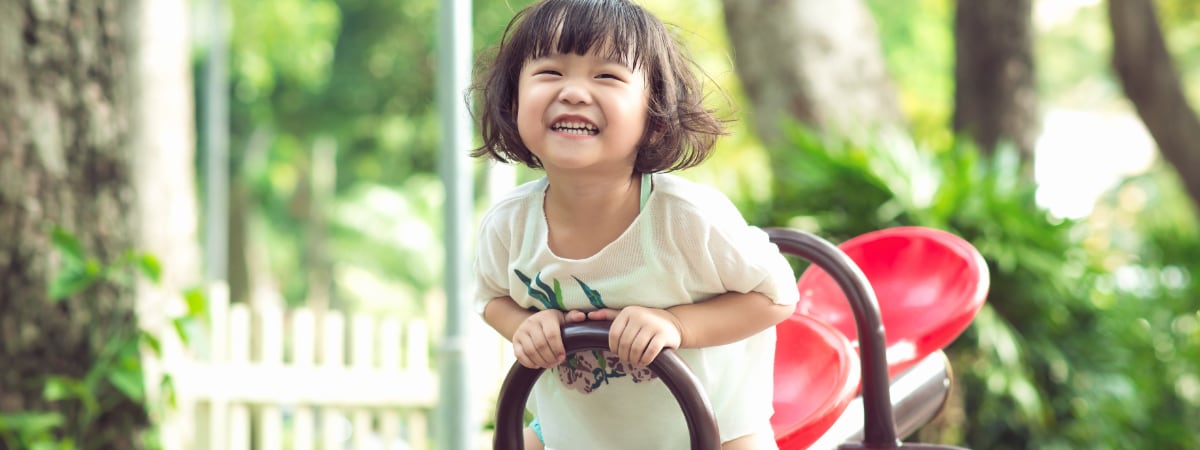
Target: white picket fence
{"points": [[272, 379]]}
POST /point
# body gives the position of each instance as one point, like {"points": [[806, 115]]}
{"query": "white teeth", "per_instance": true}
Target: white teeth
{"points": [[575, 127]]}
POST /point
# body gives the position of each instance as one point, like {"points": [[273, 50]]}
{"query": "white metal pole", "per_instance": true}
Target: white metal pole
{"points": [[216, 143], [456, 427]]}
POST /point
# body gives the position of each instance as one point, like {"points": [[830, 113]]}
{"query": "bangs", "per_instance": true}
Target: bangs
{"points": [[609, 29]]}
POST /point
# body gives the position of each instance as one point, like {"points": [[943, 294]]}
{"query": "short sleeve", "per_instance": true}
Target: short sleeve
{"points": [[491, 262], [748, 261]]}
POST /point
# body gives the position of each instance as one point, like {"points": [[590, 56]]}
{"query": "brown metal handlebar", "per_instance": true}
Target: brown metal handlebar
{"points": [[593, 335]]}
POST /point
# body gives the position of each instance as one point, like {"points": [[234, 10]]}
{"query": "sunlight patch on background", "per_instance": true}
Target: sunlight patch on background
{"points": [[1081, 155], [1049, 13]]}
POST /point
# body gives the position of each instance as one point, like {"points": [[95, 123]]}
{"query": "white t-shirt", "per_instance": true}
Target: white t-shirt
{"points": [[688, 244]]}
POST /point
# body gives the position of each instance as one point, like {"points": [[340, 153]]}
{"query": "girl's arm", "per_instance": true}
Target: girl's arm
{"points": [[505, 315], [727, 318], [639, 333]]}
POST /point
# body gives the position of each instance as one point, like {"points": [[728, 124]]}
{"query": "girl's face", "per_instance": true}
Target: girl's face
{"points": [[582, 114]]}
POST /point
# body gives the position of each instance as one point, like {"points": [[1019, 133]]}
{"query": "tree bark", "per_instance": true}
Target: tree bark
{"points": [[64, 162], [815, 61], [162, 136], [995, 96], [1149, 79], [162, 139]]}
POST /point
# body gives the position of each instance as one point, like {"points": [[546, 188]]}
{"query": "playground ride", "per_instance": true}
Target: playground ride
{"points": [[840, 380]]}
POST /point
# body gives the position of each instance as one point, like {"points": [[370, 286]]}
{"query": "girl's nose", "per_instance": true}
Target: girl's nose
{"points": [[574, 94]]}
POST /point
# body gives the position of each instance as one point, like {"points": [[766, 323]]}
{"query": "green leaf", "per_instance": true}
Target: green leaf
{"points": [[129, 382], [167, 390], [197, 303], [70, 282], [30, 423], [150, 267], [59, 388], [151, 341], [67, 243], [178, 324], [130, 354], [54, 444]]}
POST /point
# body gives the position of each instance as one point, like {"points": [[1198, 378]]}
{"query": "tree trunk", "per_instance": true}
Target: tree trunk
{"points": [[995, 96], [1150, 81], [162, 136], [162, 140], [64, 162], [814, 61]]}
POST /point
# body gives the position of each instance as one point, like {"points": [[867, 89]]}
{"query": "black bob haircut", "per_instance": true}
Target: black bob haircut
{"points": [[680, 131]]}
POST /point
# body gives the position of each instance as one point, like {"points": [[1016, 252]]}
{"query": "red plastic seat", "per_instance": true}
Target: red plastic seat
{"points": [[817, 375], [929, 283]]}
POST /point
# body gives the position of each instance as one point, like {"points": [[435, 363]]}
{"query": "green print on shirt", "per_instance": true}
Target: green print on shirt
{"points": [[593, 295], [551, 297]]}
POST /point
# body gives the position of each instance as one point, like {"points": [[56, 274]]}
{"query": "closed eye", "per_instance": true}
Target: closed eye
{"points": [[609, 76], [548, 72]]}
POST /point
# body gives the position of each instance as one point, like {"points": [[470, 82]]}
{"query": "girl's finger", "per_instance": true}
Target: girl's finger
{"points": [[522, 357], [543, 355], [603, 314], [614, 334], [575, 315], [554, 345], [629, 351], [639, 346], [653, 348]]}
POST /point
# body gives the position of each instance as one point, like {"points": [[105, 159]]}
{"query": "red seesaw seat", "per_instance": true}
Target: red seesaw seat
{"points": [[816, 377], [929, 284]]}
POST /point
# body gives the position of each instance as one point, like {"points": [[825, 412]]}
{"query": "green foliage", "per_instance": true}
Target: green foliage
{"points": [[1072, 60], [79, 271], [116, 375], [357, 77], [1056, 359], [918, 42]]}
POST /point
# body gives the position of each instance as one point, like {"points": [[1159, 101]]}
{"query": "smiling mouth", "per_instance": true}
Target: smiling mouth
{"points": [[576, 128]]}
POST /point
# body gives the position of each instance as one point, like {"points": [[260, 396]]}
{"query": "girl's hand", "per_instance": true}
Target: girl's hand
{"points": [[639, 334], [537, 342]]}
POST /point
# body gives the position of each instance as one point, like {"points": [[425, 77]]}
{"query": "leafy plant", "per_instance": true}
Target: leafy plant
{"points": [[1047, 362], [116, 375]]}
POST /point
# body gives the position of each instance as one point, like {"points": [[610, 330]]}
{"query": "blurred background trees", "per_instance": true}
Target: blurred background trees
{"points": [[1004, 122], [996, 109], [1076, 297], [1150, 79]]}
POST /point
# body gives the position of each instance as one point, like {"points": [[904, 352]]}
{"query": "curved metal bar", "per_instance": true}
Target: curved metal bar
{"points": [[593, 335], [879, 424]]}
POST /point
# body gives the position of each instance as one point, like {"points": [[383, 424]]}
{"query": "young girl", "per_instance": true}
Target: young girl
{"points": [[598, 95]]}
